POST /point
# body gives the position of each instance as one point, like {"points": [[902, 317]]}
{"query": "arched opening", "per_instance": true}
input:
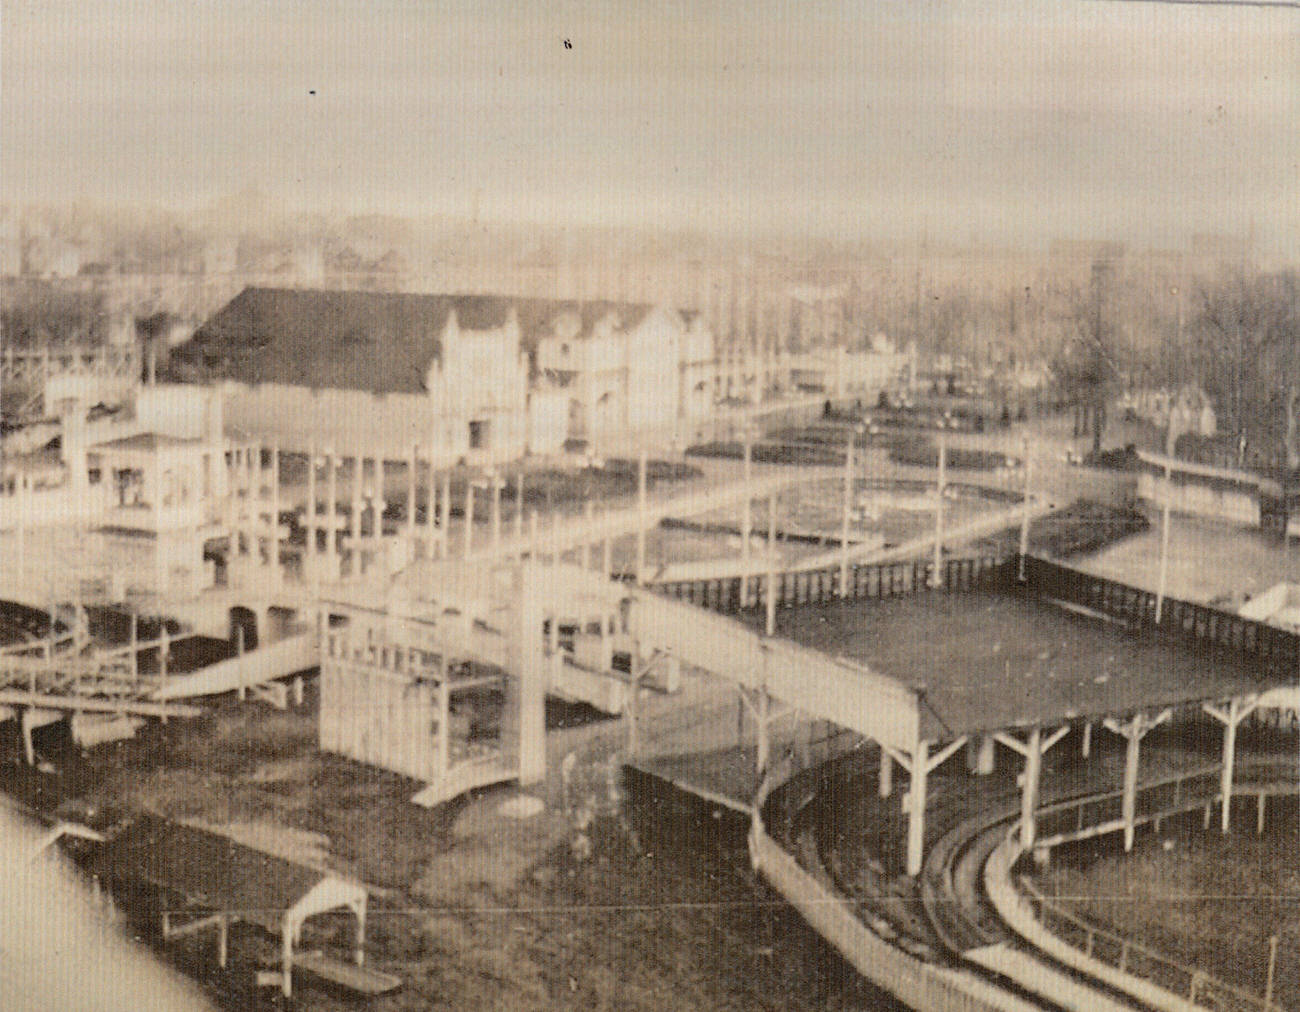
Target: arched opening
{"points": [[280, 622], [244, 619]]}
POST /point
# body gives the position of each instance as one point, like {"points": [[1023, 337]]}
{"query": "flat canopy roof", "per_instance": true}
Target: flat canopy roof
{"points": [[214, 871], [988, 660]]}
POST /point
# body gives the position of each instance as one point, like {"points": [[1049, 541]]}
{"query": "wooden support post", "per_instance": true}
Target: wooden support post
{"points": [[242, 692], [916, 807], [358, 473], [1132, 754], [496, 511], [936, 579], [359, 953], [979, 755], [746, 525], [444, 515], [519, 508], [770, 623], [886, 774], [443, 702], [469, 517], [1272, 972], [275, 515], [135, 640], [630, 716], [1238, 709], [1024, 521], [309, 516], [1033, 750], [607, 557], [411, 495], [29, 749], [532, 673], [641, 506], [331, 512], [1229, 763], [1133, 732], [589, 513], [222, 941], [286, 962], [1085, 748], [1029, 787], [1164, 528], [761, 712], [844, 520], [23, 497]]}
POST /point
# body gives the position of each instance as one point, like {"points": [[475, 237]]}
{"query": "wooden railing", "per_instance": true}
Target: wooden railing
{"points": [[1275, 650], [1130, 957], [821, 586], [1094, 815], [1098, 814], [38, 365]]}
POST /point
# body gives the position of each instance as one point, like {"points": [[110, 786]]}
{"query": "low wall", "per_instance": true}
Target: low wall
{"points": [[919, 984], [1229, 504]]}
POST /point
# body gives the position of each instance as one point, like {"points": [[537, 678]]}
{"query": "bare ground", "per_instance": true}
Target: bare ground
{"points": [[589, 905]]}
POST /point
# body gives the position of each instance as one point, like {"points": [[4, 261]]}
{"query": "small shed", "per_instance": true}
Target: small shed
{"points": [[223, 881]]}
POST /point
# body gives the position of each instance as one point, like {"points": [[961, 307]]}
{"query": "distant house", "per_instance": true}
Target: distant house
{"points": [[1189, 408]]}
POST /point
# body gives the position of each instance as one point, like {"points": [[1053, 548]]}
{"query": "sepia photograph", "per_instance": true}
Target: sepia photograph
{"points": [[646, 506]]}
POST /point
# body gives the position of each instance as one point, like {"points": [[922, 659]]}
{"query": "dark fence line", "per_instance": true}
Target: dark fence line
{"points": [[821, 586], [1274, 649]]}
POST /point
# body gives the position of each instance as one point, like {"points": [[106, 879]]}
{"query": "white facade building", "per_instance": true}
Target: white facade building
{"points": [[628, 368]]}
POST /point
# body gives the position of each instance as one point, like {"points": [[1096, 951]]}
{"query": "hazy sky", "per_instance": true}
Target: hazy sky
{"points": [[1139, 120]]}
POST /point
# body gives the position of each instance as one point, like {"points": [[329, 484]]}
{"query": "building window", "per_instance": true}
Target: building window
{"points": [[478, 435]]}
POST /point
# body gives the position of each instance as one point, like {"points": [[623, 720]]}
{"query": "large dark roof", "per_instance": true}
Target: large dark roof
{"points": [[989, 660], [207, 868], [383, 342]]}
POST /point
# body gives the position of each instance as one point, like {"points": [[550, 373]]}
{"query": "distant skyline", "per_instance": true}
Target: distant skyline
{"points": [[1136, 121]]}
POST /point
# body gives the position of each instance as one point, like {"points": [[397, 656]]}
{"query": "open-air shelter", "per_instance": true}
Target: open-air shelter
{"points": [[220, 881]]}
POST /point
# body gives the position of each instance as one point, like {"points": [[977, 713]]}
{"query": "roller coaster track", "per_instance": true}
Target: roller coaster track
{"points": [[969, 924], [961, 926]]}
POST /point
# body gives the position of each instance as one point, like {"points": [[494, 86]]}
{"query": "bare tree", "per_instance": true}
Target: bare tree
{"points": [[1244, 346], [1088, 365]]}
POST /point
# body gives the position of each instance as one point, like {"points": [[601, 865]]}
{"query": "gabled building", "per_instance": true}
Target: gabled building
{"points": [[359, 369], [629, 367], [478, 378]]}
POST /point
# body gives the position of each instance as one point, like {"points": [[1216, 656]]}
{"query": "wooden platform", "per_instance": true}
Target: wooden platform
{"points": [[359, 979]]}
